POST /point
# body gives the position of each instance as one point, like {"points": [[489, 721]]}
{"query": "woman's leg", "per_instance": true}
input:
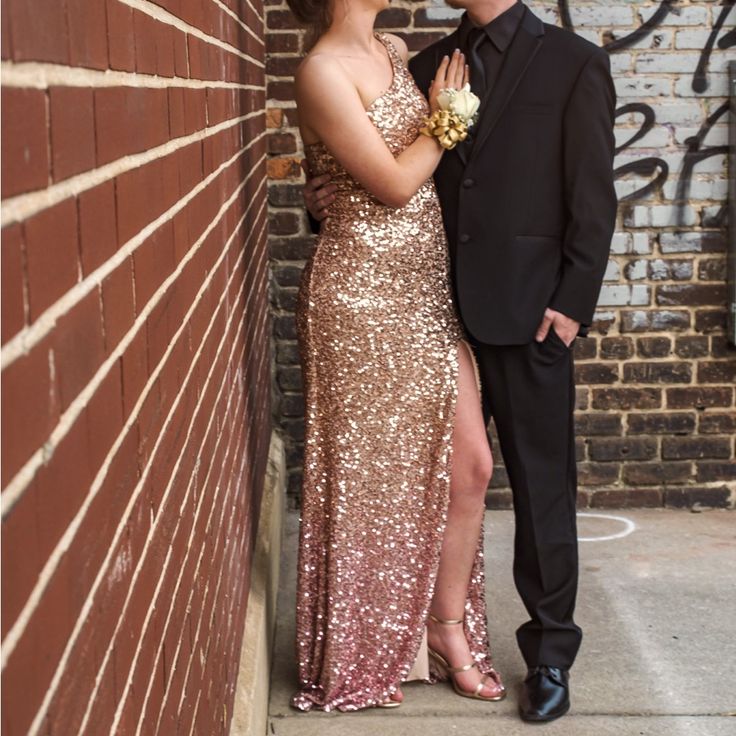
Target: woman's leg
{"points": [[472, 467]]}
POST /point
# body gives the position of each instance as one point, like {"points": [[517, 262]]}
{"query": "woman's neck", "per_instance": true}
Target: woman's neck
{"points": [[354, 29]]}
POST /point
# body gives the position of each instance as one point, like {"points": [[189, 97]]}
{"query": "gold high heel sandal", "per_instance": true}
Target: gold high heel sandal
{"points": [[390, 703], [447, 671]]}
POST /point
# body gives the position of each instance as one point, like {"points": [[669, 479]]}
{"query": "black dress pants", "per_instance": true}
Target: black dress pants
{"points": [[530, 392]]}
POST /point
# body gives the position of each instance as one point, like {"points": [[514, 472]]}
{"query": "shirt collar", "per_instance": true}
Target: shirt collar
{"points": [[500, 30]]}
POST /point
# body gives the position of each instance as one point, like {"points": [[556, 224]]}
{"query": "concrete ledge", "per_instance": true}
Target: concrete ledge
{"points": [[250, 714]]}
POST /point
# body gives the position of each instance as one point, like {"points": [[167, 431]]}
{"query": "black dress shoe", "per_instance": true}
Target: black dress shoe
{"points": [[545, 694]]}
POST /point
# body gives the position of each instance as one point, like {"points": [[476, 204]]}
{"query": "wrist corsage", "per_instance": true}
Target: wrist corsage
{"points": [[458, 111]]}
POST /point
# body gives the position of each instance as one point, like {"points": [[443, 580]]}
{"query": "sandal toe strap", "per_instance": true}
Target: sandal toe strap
{"points": [[480, 685]]}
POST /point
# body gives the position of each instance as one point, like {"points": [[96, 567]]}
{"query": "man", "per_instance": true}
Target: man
{"points": [[529, 207]]}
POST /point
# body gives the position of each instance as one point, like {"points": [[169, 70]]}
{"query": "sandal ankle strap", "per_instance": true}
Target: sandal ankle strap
{"points": [[446, 620], [464, 668]]}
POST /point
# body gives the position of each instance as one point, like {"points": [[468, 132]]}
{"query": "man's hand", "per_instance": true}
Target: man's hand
{"points": [[565, 327], [318, 193]]}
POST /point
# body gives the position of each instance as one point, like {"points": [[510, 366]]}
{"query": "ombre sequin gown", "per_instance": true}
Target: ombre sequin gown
{"points": [[378, 337]]}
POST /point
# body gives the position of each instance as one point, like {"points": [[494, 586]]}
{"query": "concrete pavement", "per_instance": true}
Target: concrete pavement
{"points": [[657, 604]]}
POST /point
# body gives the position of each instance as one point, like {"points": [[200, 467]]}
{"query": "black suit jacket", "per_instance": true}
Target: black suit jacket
{"points": [[530, 209]]}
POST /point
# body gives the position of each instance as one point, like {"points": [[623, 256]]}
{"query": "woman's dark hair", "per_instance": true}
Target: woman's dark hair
{"points": [[315, 15]]}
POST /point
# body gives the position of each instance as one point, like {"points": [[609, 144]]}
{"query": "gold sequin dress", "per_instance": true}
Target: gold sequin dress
{"points": [[378, 337]]}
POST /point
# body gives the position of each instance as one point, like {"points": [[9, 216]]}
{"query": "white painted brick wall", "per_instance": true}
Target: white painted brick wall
{"points": [[691, 38], [637, 270], [665, 63], [679, 16], [623, 295], [613, 272], [641, 86], [658, 71], [608, 15]]}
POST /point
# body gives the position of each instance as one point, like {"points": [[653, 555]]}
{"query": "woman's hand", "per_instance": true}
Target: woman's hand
{"points": [[453, 73]]}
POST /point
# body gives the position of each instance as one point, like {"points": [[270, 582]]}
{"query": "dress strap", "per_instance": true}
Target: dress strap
{"points": [[388, 43]]}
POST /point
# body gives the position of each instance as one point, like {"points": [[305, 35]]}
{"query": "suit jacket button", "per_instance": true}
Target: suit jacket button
{"points": [[468, 183], [464, 238]]}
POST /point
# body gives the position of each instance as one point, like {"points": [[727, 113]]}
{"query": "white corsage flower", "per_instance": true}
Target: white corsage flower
{"points": [[460, 102], [458, 110]]}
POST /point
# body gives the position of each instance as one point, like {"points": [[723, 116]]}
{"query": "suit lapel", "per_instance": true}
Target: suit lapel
{"points": [[520, 53]]}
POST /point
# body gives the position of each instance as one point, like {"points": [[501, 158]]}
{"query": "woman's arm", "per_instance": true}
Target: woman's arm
{"points": [[331, 107]]}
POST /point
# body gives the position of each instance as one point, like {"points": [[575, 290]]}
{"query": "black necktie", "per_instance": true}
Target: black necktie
{"points": [[476, 37]]}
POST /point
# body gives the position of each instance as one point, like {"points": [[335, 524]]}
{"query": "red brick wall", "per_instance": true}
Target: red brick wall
{"points": [[135, 359]]}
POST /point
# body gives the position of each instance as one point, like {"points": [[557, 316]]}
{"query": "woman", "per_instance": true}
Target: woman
{"points": [[396, 462]]}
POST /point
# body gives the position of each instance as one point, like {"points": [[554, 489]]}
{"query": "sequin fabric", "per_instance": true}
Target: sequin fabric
{"points": [[378, 337]]}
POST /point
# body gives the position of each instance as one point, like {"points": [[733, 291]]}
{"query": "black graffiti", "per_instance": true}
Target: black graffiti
{"points": [[700, 79], [653, 168], [643, 31], [647, 124], [695, 154], [626, 41]]}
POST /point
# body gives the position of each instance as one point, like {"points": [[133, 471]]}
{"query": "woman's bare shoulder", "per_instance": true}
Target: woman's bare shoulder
{"points": [[318, 67], [400, 46], [320, 79]]}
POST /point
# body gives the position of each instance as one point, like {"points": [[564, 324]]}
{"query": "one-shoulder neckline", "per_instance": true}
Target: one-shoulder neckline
{"points": [[390, 51]]}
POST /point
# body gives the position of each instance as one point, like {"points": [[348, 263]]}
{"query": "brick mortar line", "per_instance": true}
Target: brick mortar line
{"points": [[239, 20], [235, 477], [15, 632], [17, 485], [212, 609], [196, 571], [182, 563], [195, 711], [196, 643], [14, 635], [24, 476], [185, 450], [202, 609], [141, 562], [226, 499], [25, 340], [21, 207], [164, 16], [42, 75]]}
